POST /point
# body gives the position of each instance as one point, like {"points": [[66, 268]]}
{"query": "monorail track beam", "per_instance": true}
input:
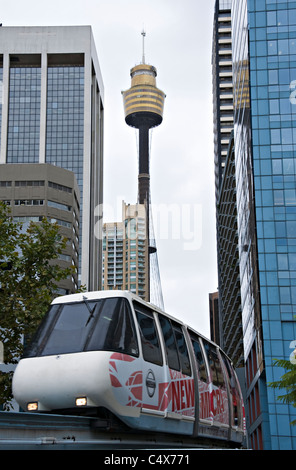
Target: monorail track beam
{"points": [[30, 431]]}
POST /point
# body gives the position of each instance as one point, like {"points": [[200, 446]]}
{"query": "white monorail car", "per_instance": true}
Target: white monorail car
{"points": [[110, 352]]}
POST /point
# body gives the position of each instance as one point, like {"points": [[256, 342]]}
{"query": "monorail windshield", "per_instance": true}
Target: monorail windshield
{"points": [[91, 325]]}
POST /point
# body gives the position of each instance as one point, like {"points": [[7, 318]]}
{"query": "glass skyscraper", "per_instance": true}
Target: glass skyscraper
{"points": [[52, 111], [229, 311], [264, 74]]}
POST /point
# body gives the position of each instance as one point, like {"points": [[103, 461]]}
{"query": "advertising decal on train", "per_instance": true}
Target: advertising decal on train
{"points": [[176, 396]]}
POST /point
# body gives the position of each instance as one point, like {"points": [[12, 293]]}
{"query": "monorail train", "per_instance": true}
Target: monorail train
{"points": [[111, 353]]}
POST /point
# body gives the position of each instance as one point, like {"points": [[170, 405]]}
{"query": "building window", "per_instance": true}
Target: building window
{"points": [[65, 118], [28, 202], [24, 115], [62, 223], [58, 205], [60, 187], [29, 183]]}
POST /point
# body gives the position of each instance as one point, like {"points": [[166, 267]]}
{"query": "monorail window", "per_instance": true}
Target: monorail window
{"points": [[67, 333], [201, 364], [234, 390], [175, 344], [33, 347], [149, 337], [91, 325], [182, 349], [215, 365], [170, 343], [114, 329]]}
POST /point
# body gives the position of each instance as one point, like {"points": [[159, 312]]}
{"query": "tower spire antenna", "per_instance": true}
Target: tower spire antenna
{"points": [[143, 46]]}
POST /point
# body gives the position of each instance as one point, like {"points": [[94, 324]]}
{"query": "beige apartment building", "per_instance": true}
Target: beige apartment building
{"points": [[125, 252]]}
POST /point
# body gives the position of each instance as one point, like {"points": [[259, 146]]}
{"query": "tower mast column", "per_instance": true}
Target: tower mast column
{"points": [[143, 178]]}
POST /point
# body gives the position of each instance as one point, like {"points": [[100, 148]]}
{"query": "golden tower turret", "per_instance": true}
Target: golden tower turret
{"points": [[143, 102], [143, 108]]}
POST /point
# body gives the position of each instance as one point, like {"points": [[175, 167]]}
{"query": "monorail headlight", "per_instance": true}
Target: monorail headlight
{"points": [[81, 401], [33, 406]]}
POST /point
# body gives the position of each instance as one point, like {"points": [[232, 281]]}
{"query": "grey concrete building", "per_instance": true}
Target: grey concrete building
{"points": [[52, 112], [33, 191]]}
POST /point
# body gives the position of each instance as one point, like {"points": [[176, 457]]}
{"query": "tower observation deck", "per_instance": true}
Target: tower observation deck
{"points": [[143, 109]]}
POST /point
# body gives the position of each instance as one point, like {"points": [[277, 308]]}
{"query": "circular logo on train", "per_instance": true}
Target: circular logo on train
{"points": [[150, 383]]}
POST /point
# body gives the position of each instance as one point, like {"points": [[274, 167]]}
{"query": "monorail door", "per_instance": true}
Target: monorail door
{"points": [[154, 402]]}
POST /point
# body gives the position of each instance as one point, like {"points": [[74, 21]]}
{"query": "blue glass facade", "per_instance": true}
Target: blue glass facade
{"points": [[265, 141], [272, 35]]}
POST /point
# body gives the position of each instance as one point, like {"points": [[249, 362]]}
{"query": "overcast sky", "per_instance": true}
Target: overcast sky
{"points": [[178, 43]]}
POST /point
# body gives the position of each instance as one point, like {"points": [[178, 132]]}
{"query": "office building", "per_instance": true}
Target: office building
{"points": [[33, 191], [222, 86], [231, 333], [264, 69], [228, 327], [125, 252], [52, 112]]}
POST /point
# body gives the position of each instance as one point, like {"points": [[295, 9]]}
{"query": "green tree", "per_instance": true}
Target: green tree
{"points": [[28, 283], [287, 382]]}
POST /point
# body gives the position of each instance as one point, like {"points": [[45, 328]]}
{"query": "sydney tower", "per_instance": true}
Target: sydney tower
{"points": [[143, 107]]}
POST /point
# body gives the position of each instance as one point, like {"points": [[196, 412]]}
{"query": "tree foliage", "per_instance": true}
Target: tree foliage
{"points": [[287, 382], [28, 282]]}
